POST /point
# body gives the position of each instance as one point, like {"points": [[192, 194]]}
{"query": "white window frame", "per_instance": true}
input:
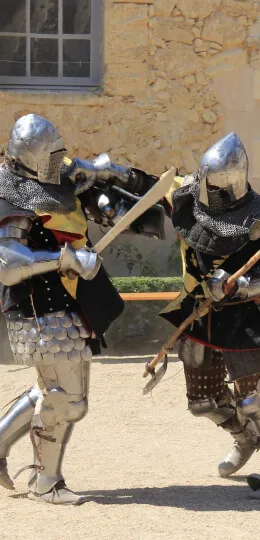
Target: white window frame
{"points": [[60, 82]]}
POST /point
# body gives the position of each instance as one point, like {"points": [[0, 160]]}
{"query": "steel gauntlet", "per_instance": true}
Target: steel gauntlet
{"points": [[19, 263], [244, 288], [81, 262]]}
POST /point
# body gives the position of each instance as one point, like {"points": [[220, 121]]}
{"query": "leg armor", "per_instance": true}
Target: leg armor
{"points": [[248, 396], [210, 396], [17, 421], [59, 351], [14, 425]]}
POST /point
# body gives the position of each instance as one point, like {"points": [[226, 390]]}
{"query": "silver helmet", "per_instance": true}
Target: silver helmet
{"points": [[36, 149], [224, 167]]}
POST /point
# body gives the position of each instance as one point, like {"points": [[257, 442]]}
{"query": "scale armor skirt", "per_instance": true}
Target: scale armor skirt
{"points": [[50, 337]]}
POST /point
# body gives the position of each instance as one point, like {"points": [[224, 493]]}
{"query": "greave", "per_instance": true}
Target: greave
{"points": [[49, 448], [17, 421]]}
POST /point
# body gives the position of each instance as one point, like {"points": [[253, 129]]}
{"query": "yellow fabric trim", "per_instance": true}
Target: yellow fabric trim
{"points": [[177, 183], [70, 285], [67, 161], [75, 222], [190, 283]]}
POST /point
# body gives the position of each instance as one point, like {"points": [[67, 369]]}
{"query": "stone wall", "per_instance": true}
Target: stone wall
{"points": [[177, 75]]}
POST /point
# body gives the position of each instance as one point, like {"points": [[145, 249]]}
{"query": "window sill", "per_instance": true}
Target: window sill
{"points": [[62, 96]]}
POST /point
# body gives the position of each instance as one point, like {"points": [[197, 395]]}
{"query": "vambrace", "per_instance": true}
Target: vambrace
{"points": [[19, 263]]}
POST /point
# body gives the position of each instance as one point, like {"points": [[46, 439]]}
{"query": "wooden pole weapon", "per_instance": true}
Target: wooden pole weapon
{"points": [[150, 366]]}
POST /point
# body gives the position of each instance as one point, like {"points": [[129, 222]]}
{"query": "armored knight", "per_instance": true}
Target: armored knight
{"points": [[215, 214], [55, 295]]}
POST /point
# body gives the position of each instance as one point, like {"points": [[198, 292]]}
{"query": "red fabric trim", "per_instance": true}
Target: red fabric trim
{"points": [[45, 218], [211, 346], [61, 236]]}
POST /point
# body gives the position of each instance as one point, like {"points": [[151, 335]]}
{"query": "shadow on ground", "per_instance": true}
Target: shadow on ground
{"points": [[212, 498], [134, 359]]}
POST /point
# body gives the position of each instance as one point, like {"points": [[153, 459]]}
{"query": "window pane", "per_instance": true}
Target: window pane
{"points": [[12, 18], [44, 57], [12, 56], [76, 58], [76, 16], [44, 16]]}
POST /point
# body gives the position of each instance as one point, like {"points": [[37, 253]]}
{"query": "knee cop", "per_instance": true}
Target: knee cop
{"points": [[58, 407]]}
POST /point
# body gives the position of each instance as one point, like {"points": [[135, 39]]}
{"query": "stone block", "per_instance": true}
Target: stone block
{"points": [[196, 32], [254, 29], [168, 30], [177, 61], [208, 96], [131, 80], [253, 42], [209, 117], [190, 163], [236, 8], [128, 36], [200, 45], [180, 96], [189, 80], [198, 9], [256, 85], [226, 61], [164, 8], [255, 60], [224, 30]]}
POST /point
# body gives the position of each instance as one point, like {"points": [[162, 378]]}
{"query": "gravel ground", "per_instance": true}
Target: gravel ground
{"points": [[148, 467]]}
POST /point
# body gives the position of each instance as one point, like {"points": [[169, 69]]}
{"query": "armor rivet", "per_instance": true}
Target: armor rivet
{"points": [[67, 305], [49, 299], [41, 232], [50, 309], [46, 281], [65, 295], [48, 289]]}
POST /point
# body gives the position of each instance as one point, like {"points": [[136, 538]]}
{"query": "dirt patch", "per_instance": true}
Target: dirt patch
{"points": [[149, 468]]}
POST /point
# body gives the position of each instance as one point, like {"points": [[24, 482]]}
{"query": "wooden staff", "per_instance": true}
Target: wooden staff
{"points": [[197, 313]]}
